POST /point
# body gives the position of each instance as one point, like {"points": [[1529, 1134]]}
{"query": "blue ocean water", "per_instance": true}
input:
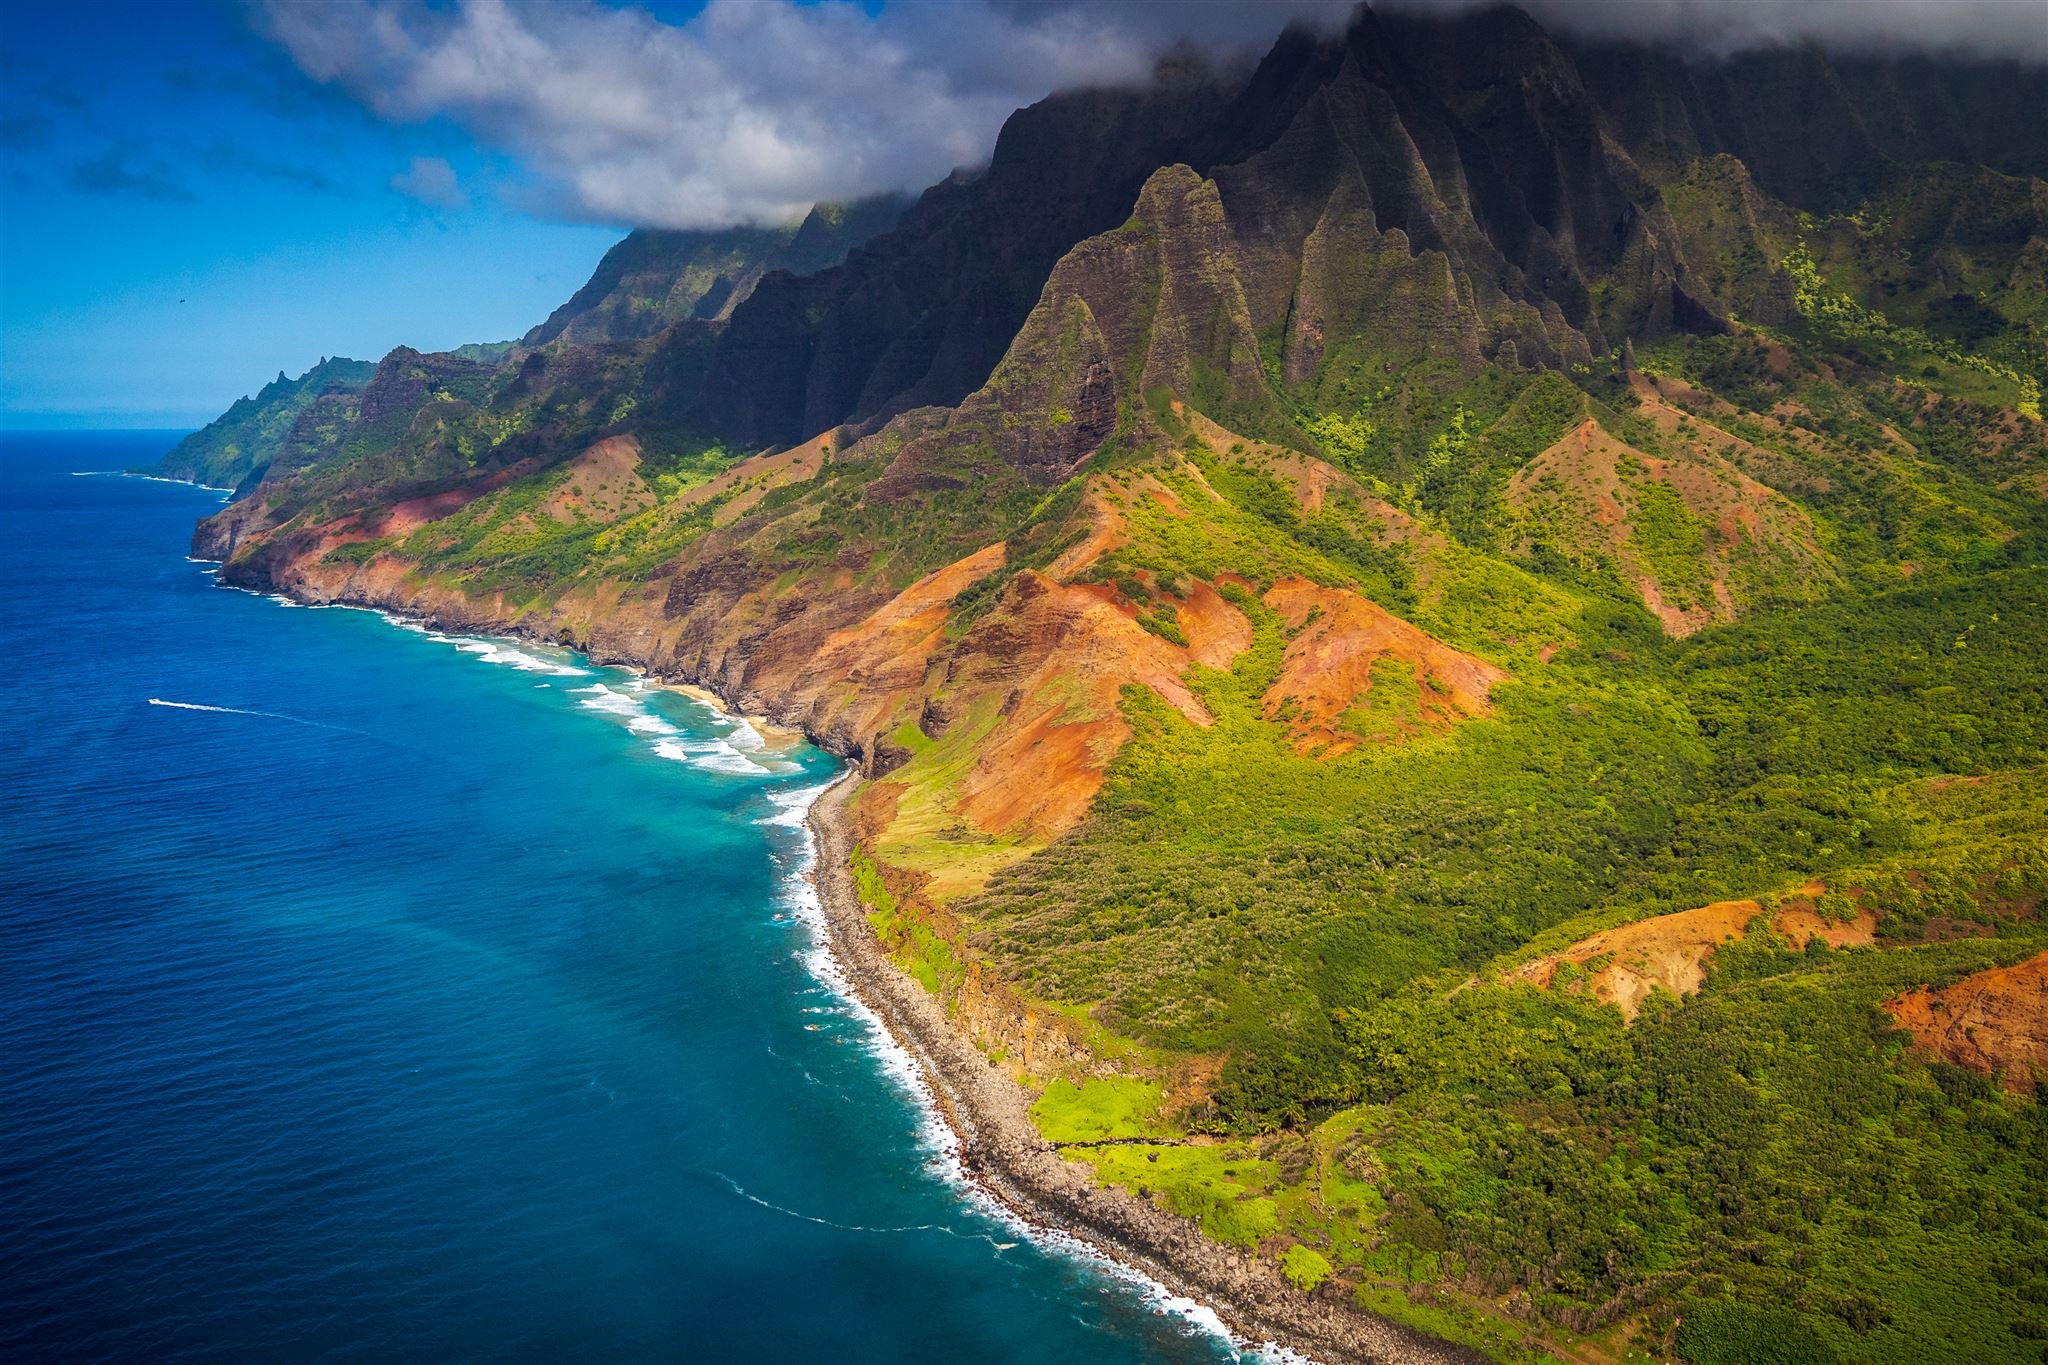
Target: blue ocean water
{"points": [[426, 999]]}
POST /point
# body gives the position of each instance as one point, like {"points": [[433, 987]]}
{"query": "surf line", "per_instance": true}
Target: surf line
{"points": [[266, 715]]}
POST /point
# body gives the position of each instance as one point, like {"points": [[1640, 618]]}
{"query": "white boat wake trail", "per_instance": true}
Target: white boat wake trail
{"points": [[266, 715]]}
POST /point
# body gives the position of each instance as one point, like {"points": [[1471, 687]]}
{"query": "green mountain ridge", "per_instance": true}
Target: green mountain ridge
{"points": [[1363, 536], [293, 421]]}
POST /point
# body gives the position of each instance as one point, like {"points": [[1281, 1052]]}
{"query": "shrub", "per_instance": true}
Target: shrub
{"points": [[1304, 1267]]}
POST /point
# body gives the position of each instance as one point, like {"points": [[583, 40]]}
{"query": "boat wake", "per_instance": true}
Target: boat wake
{"points": [[266, 715]]}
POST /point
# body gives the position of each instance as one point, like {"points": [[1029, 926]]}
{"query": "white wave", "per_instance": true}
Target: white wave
{"points": [[735, 748], [201, 706], [671, 741], [792, 807], [598, 697], [720, 757], [146, 478], [940, 1143], [509, 656]]}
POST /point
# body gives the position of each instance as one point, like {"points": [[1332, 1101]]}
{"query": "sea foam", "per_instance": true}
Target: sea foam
{"points": [[509, 656]]}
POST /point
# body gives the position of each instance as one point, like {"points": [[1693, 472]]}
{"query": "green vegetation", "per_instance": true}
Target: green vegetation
{"points": [[288, 423], [915, 947], [1311, 920], [1222, 1187], [1099, 1107], [1844, 320], [1304, 1267]]}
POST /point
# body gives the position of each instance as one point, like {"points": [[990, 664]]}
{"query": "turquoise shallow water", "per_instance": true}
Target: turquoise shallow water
{"points": [[434, 1000]]}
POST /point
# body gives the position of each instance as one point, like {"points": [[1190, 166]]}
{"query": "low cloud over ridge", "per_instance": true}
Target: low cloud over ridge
{"points": [[752, 110]]}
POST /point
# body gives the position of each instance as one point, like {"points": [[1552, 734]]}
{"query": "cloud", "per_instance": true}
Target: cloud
{"points": [[751, 110], [120, 171], [1982, 29], [433, 182]]}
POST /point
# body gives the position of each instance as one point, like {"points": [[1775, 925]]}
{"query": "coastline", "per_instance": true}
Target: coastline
{"points": [[999, 1149], [1004, 1157], [771, 735]]}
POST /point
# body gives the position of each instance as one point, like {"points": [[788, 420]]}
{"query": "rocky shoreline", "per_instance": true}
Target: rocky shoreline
{"points": [[1004, 1155], [1000, 1148]]}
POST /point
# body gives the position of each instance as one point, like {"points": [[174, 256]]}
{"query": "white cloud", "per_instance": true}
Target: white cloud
{"points": [[754, 109], [432, 181], [750, 111], [1967, 28]]}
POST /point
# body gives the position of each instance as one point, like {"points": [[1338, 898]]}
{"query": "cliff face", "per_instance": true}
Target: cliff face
{"points": [[1413, 210], [656, 277], [1821, 132], [921, 317], [1475, 146]]}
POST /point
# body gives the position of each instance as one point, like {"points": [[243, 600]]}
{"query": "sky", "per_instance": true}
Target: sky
{"points": [[197, 194], [183, 213]]}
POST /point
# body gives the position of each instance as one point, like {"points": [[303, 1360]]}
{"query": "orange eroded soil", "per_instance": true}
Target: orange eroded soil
{"points": [[1309, 478], [755, 475], [408, 516], [1994, 1022], [1328, 665], [1105, 533], [880, 664], [1668, 952], [1672, 952], [1059, 654], [1582, 490]]}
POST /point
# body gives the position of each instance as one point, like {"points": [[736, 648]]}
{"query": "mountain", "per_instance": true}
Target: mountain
{"points": [[289, 422], [1444, 640], [654, 277], [647, 282]]}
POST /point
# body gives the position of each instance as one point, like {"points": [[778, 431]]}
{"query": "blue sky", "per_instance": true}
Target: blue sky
{"points": [[183, 213]]}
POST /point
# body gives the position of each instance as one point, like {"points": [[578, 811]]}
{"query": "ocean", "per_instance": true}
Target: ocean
{"points": [[372, 994]]}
